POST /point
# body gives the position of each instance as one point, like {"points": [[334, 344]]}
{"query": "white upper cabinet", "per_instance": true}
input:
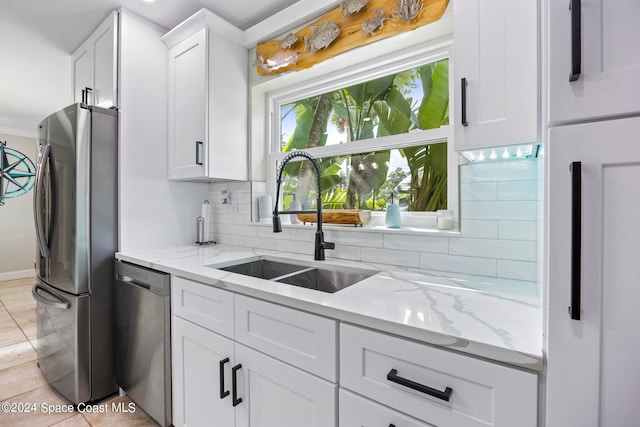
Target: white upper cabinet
{"points": [[188, 106], [95, 66], [598, 43], [495, 72], [208, 87]]}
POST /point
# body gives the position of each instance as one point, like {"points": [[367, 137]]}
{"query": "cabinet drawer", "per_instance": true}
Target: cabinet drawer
{"points": [[482, 393], [356, 411], [204, 305], [298, 338]]}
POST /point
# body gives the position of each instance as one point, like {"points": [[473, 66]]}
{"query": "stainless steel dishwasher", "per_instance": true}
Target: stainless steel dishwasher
{"points": [[143, 338]]}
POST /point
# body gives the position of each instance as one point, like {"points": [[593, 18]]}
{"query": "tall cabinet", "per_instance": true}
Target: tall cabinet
{"points": [[597, 42], [208, 83], [593, 231], [94, 66]]}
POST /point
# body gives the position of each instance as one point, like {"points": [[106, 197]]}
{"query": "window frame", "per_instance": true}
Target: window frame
{"points": [[420, 53]]}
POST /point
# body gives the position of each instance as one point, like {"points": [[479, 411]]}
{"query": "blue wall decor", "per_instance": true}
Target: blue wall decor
{"points": [[17, 173]]}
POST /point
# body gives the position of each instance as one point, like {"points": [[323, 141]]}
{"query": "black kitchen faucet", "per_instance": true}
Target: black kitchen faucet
{"points": [[320, 244]]}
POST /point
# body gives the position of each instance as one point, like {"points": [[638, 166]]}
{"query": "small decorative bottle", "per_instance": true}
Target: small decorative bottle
{"points": [[392, 217]]}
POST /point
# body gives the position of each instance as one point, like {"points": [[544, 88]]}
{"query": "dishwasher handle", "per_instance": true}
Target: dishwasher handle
{"points": [[130, 281], [154, 281]]}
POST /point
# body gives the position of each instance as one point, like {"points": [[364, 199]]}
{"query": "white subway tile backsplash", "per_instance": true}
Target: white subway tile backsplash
{"points": [[458, 264], [345, 252], [357, 238], [517, 270], [296, 246], [517, 230], [514, 170], [478, 191], [416, 243], [484, 229], [520, 190], [391, 257], [226, 218], [499, 249], [262, 242], [500, 210]]}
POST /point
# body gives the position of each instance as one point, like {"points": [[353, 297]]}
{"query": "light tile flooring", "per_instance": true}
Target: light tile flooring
{"points": [[20, 377]]}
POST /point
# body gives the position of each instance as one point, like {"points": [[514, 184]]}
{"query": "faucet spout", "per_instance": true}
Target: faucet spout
{"points": [[320, 244]]}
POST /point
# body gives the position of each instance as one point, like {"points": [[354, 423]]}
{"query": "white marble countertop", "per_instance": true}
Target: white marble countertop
{"points": [[495, 319]]}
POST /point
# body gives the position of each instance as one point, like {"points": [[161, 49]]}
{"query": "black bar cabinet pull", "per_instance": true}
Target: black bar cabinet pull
{"points": [[576, 238], [442, 395], [199, 144], [576, 40], [83, 97], [392, 425], [463, 96], [234, 384], [223, 393]]}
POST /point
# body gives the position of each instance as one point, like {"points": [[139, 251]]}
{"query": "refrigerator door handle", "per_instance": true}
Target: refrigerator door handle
{"points": [[37, 202], [57, 302]]}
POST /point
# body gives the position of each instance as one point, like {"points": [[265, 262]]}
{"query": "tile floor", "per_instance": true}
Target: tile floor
{"points": [[20, 378]]}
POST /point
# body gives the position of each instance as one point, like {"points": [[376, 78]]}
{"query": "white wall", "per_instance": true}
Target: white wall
{"points": [[36, 76], [17, 233], [154, 212]]}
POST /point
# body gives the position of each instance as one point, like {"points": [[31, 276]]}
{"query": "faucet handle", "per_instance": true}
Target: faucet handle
{"points": [[328, 245]]}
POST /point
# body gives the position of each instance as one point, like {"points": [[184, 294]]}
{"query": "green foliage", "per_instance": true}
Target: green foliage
{"points": [[383, 106]]}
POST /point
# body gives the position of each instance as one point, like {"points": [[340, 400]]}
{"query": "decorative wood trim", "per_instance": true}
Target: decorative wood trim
{"points": [[351, 35]]}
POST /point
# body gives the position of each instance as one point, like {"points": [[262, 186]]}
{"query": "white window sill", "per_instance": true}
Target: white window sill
{"points": [[369, 228]]}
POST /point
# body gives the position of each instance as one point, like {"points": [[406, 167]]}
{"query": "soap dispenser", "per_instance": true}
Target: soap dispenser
{"points": [[392, 217]]}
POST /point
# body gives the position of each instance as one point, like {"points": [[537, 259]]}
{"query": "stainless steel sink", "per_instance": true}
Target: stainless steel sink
{"points": [[324, 280], [263, 268], [309, 276]]}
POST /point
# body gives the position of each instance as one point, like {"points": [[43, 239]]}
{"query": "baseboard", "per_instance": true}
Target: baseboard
{"points": [[13, 275]]}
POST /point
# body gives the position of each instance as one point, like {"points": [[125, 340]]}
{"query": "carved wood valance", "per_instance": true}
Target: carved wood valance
{"points": [[354, 23]]}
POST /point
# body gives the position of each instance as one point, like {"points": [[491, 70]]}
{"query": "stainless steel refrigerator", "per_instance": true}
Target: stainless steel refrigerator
{"points": [[75, 210]]}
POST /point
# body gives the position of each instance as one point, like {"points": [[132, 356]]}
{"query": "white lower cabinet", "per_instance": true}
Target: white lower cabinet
{"points": [[276, 394], [356, 411], [197, 355], [436, 386], [217, 381], [239, 361]]}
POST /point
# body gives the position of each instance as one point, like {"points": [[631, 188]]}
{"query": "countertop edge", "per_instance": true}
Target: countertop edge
{"points": [[491, 353]]}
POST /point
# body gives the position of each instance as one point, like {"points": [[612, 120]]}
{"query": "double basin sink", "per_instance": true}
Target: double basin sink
{"points": [[325, 279]]}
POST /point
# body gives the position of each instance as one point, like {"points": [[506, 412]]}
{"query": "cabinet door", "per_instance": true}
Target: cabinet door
{"points": [[104, 43], [356, 411], [82, 72], [496, 54], [196, 358], [592, 375], [608, 83], [276, 394], [188, 107]]}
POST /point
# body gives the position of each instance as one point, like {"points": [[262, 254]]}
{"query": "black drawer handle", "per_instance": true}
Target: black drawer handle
{"points": [[234, 384], [576, 40], [576, 238], [223, 393], [442, 395], [463, 96], [199, 146]]}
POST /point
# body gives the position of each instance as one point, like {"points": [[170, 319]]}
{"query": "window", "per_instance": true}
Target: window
{"points": [[379, 134]]}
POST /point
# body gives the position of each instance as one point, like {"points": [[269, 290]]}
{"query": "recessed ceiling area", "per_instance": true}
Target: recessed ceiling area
{"points": [[37, 38]]}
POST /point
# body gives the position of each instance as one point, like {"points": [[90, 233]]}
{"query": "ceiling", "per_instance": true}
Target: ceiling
{"points": [[37, 37], [66, 23]]}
